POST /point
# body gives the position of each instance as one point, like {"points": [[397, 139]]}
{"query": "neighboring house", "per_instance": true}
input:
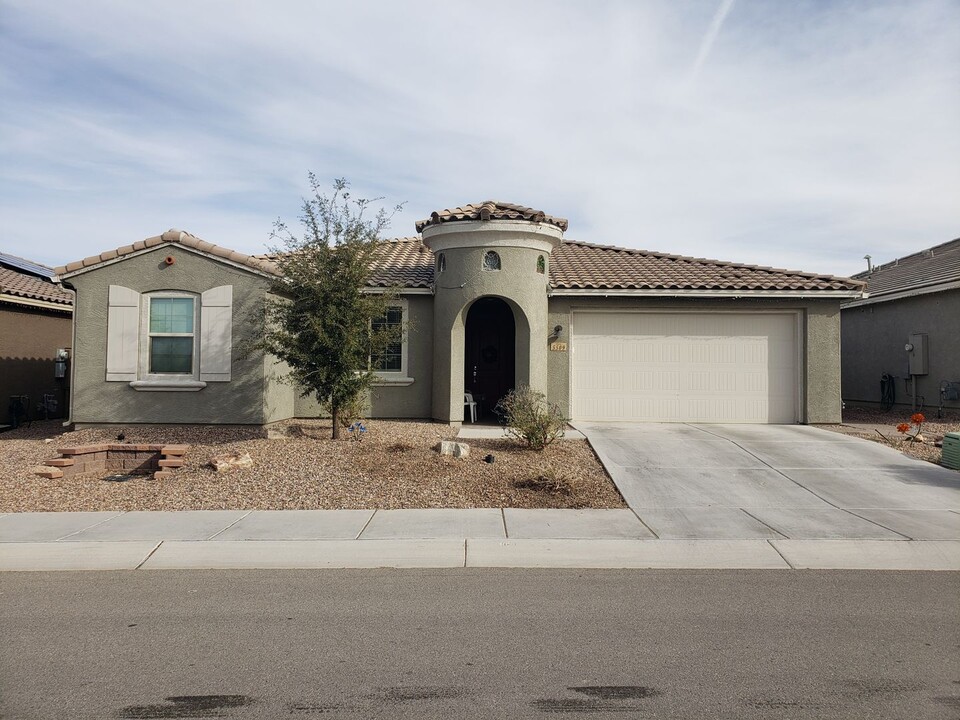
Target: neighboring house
{"points": [[34, 325], [915, 301], [493, 298]]}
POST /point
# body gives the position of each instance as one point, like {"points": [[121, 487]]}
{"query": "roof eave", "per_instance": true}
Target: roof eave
{"points": [[60, 277], [902, 294], [36, 302], [705, 293]]}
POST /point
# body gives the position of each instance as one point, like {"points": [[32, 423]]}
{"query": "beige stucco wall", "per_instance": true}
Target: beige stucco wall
{"points": [[399, 400], [240, 401], [874, 337], [29, 340], [462, 283], [820, 329]]}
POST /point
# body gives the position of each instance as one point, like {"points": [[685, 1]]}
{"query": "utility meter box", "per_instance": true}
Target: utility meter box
{"points": [[951, 451], [917, 354]]}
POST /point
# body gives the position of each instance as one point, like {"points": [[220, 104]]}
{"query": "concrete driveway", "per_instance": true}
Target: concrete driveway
{"points": [[774, 481]]}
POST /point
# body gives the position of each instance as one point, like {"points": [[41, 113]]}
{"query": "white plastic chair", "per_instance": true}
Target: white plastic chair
{"points": [[469, 402]]}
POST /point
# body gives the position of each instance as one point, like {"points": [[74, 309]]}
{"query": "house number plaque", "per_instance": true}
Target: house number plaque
{"points": [[558, 346]]}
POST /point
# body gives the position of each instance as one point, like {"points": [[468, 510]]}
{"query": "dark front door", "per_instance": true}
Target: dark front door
{"points": [[490, 356]]}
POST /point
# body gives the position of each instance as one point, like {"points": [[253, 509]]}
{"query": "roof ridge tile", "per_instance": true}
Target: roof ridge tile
{"points": [[171, 237]]}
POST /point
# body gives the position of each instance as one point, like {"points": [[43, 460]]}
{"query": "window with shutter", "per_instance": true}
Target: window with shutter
{"points": [[169, 340]]}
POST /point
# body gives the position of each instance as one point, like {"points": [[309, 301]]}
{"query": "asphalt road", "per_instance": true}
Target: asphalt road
{"points": [[479, 644]]}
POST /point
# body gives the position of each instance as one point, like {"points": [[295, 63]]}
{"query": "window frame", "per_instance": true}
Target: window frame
{"points": [[401, 376], [171, 378]]}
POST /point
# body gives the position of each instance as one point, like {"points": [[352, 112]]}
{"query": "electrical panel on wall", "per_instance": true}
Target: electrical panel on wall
{"points": [[917, 354]]}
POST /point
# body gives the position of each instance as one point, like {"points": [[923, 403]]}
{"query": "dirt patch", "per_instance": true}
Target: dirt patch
{"points": [[879, 426], [395, 466]]}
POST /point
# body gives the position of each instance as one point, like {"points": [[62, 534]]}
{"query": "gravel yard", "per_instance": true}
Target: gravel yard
{"points": [[395, 466], [865, 422]]}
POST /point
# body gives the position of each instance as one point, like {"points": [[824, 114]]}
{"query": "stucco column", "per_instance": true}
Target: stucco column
{"points": [[523, 249]]}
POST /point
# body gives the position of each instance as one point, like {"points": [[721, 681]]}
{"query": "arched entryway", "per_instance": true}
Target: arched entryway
{"points": [[489, 352]]}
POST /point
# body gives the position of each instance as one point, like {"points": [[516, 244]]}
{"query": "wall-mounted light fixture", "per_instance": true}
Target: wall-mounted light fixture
{"points": [[557, 329]]}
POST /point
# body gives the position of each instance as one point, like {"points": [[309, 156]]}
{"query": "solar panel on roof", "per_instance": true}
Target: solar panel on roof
{"points": [[18, 263]]}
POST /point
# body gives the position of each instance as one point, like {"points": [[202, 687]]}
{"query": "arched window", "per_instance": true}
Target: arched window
{"points": [[441, 263], [541, 265], [491, 261]]}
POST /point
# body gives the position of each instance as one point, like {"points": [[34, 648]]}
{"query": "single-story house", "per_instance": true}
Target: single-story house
{"points": [[34, 325], [905, 332], [494, 297]]}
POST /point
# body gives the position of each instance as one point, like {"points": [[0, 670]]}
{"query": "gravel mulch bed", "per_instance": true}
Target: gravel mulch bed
{"points": [[933, 430], [395, 466]]}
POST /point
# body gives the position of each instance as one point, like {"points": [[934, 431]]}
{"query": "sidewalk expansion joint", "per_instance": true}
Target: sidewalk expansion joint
{"points": [[366, 524], [90, 527], [874, 522], [765, 524], [223, 530], [640, 519], [777, 551], [776, 470], [149, 555]]}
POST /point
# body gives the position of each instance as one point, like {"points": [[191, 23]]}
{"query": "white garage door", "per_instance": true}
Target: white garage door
{"points": [[685, 367]]}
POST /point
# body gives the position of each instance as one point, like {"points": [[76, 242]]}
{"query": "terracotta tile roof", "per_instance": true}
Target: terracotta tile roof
{"points": [[17, 283], [933, 266], [491, 210], [407, 263], [403, 262], [579, 265], [170, 237]]}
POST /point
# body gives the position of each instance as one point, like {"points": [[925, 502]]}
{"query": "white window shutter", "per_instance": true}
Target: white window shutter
{"points": [[216, 325], [123, 334]]}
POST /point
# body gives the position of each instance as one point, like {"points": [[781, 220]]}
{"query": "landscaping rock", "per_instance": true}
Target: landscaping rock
{"points": [[230, 461], [454, 448]]}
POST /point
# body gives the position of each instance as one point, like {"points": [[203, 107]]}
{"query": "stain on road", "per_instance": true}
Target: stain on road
{"points": [[600, 698], [616, 692], [186, 706]]}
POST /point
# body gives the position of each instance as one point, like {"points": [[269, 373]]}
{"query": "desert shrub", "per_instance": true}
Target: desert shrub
{"points": [[352, 411], [530, 418], [548, 481]]}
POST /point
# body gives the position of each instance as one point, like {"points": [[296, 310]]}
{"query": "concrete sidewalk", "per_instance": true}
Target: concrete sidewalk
{"points": [[489, 537]]}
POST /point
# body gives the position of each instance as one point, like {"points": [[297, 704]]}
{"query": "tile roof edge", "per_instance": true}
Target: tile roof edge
{"points": [[710, 261], [919, 255], [170, 237], [11, 294], [386, 241]]}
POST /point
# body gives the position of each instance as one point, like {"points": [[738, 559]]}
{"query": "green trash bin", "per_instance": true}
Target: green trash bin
{"points": [[951, 451]]}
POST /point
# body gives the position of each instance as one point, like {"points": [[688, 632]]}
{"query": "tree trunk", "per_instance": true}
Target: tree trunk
{"points": [[335, 415]]}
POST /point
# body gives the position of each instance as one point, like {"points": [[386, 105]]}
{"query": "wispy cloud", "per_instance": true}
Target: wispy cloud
{"points": [[706, 44]]}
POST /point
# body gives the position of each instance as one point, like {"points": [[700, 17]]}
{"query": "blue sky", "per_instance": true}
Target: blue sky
{"points": [[795, 134]]}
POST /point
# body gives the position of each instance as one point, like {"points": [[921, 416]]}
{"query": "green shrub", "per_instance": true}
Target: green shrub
{"points": [[352, 411], [530, 418]]}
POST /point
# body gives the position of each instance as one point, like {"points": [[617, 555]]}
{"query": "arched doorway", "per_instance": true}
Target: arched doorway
{"points": [[490, 352]]}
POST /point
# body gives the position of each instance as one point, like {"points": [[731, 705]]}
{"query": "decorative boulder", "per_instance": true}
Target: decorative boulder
{"points": [[229, 461], [454, 448]]}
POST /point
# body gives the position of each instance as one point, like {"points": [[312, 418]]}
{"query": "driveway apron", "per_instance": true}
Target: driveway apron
{"points": [[774, 482]]}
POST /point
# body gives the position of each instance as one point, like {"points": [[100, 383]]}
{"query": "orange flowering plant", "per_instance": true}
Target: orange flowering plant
{"points": [[904, 428]]}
